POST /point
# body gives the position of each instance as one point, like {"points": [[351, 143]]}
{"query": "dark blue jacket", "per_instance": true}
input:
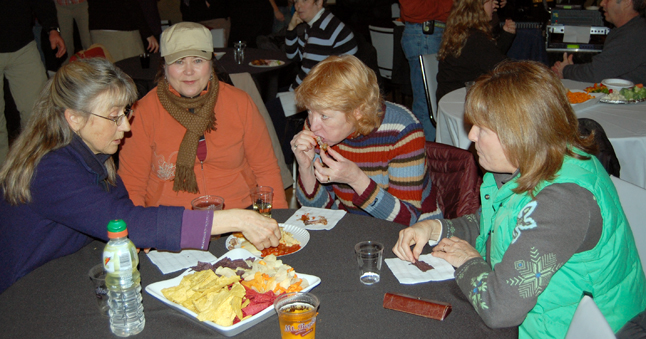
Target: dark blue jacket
{"points": [[71, 205]]}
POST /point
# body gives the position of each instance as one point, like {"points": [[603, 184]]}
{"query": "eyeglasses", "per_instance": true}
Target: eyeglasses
{"points": [[127, 113]]}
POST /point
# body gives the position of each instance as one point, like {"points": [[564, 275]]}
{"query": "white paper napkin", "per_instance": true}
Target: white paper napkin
{"points": [[169, 262], [408, 273], [332, 216]]}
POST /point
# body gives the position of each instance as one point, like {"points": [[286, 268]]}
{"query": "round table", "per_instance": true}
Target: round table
{"points": [[57, 299], [625, 126], [266, 77], [228, 64]]}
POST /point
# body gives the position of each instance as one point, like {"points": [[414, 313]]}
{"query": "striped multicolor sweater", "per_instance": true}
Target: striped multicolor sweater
{"points": [[327, 36], [394, 158]]}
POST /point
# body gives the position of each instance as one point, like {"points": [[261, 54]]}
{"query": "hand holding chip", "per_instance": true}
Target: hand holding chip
{"points": [[303, 145], [259, 230]]}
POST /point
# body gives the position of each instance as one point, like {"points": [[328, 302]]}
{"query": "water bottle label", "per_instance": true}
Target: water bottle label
{"points": [[117, 261]]}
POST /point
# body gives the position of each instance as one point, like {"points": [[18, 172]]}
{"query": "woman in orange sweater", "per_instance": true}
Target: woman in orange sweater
{"points": [[193, 135]]}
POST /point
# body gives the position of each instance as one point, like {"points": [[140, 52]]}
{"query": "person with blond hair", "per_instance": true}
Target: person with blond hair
{"points": [[468, 48], [372, 160], [551, 227], [60, 187]]}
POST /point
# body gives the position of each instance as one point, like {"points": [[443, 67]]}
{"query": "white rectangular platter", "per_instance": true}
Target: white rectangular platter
{"points": [[154, 289]]}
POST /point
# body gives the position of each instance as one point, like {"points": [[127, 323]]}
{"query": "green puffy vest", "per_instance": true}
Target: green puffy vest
{"points": [[611, 272]]}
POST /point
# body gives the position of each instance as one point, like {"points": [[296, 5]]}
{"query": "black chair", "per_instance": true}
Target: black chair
{"points": [[606, 153]]}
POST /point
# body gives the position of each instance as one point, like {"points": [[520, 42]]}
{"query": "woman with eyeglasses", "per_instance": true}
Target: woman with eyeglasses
{"points": [[60, 187]]}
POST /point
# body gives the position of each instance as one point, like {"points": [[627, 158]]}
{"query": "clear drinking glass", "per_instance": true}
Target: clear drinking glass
{"points": [[208, 202], [261, 199], [238, 51]]}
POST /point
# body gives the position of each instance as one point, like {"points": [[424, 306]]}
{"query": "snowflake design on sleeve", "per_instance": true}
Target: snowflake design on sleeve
{"points": [[524, 221], [479, 286], [534, 275], [450, 229]]}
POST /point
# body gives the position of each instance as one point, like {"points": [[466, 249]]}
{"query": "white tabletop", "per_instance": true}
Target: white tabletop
{"points": [[625, 126]]}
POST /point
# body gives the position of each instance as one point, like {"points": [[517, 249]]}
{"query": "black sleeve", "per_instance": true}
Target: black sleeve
{"points": [[45, 12]]}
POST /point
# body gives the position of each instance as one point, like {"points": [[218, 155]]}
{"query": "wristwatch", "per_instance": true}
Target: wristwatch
{"points": [[54, 28]]}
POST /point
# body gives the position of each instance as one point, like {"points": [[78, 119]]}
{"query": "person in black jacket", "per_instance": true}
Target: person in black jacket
{"points": [[20, 61]]}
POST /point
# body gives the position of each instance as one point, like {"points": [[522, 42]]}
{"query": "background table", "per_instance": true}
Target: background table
{"points": [[57, 300], [266, 77], [625, 126]]}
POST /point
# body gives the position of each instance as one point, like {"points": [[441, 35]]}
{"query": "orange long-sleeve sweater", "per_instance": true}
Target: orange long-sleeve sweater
{"points": [[239, 154]]}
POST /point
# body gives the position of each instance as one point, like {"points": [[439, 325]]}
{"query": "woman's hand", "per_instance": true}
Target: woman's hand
{"points": [[296, 20], [455, 250], [261, 231], [153, 45], [340, 170], [510, 26], [418, 235], [303, 145]]}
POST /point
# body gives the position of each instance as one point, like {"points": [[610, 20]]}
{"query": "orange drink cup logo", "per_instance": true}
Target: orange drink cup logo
{"points": [[297, 315]]}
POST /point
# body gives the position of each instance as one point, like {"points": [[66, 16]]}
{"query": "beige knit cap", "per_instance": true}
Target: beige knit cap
{"points": [[186, 39]]}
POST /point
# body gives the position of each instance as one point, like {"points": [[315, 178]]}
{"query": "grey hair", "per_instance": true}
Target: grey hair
{"points": [[77, 86]]}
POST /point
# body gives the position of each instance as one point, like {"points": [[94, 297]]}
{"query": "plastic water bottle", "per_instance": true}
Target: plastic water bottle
{"points": [[120, 260]]}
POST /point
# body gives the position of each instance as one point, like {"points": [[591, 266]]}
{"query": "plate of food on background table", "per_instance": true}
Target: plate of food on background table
{"points": [[266, 63]]}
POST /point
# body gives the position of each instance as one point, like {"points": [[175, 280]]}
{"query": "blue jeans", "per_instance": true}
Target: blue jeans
{"points": [[415, 43]]}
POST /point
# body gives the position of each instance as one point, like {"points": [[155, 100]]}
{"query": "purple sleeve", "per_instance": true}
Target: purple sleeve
{"points": [[196, 229]]}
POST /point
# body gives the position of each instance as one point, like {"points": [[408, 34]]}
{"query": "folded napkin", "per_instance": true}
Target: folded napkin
{"points": [[407, 273], [332, 216], [169, 262]]}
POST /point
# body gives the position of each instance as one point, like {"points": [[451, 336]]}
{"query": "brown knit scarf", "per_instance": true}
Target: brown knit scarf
{"points": [[203, 120]]}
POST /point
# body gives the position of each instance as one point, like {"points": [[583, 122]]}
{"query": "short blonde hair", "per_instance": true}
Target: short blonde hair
{"points": [[343, 84], [526, 104]]}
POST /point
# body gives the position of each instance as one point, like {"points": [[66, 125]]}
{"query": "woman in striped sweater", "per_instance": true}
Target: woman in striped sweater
{"points": [[372, 160]]}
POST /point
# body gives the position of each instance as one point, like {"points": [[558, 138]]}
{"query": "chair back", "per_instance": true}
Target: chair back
{"points": [[429, 66], [606, 153], [632, 200], [218, 38], [588, 322], [383, 40], [454, 173], [94, 51], [245, 82], [394, 10]]}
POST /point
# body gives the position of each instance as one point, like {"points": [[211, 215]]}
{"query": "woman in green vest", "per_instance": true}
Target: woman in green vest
{"points": [[551, 226]]}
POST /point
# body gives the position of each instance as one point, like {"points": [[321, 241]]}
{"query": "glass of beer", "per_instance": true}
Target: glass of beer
{"points": [[208, 202], [297, 315], [261, 198]]}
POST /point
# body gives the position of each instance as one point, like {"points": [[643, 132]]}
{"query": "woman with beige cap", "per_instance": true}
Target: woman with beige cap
{"points": [[194, 135]]}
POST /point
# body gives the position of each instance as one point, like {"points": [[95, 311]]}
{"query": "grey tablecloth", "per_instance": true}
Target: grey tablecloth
{"points": [[57, 300]]}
